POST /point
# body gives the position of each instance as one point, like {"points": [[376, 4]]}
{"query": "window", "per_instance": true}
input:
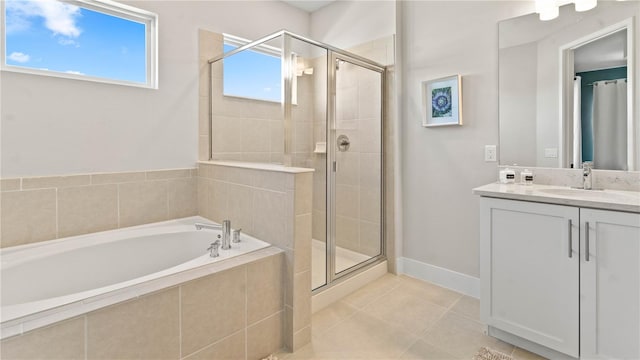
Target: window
{"points": [[97, 40], [253, 74]]}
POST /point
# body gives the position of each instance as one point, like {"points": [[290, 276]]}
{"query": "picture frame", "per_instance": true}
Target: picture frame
{"points": [[442, 101]]}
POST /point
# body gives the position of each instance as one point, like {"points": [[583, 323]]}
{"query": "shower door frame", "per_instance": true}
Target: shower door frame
{"points": [[332, 278]]}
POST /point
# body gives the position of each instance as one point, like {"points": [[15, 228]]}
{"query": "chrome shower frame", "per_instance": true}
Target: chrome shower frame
{"points": [[333, 55]]}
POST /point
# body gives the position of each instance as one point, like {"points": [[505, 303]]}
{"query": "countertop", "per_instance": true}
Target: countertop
{"points": [[598, 199]]}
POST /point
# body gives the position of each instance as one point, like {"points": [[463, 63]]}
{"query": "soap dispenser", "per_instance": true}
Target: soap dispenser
{"points": [[526, 177], [507, 176]]}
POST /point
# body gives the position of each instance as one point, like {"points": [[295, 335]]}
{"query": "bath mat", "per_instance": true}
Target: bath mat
{"points": [[271, 357], [489, 354]]}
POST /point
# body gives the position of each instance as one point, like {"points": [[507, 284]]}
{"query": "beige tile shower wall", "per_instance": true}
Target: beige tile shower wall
{"points": [[43, 208], [242, 129], [358, 198], [274, 206], [358, 182], [234, 314]]}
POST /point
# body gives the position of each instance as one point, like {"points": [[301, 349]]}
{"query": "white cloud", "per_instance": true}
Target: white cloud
{"points": [[68, 42], [74, 72], [19, 57], [59, 17]]}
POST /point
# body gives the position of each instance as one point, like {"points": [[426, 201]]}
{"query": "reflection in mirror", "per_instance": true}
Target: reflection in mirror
{"points": [[553, 72], [600, 103]]}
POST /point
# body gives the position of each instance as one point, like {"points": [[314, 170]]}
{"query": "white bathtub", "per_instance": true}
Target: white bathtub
{"points": [[49, 281]]}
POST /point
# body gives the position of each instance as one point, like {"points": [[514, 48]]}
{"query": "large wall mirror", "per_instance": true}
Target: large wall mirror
{"points": [[568, 88]]}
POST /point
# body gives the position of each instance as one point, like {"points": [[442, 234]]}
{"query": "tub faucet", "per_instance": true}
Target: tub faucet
{"points": [[587, 166], [226, 232], [213, 248]]}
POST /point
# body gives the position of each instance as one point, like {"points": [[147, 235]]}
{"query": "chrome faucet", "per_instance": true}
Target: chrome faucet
{"points": [[226, 232], [587, 166], [213, 248]]}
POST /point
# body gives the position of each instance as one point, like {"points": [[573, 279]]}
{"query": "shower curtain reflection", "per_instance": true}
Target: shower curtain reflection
{"points": [[610, 124]]}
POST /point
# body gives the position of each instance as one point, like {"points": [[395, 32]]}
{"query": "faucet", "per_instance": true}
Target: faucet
{"points": [[213, 248], [226, 232], [587, 166]]}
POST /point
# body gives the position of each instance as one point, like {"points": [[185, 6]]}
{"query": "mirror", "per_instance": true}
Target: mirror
{"points": [[566, 88]]}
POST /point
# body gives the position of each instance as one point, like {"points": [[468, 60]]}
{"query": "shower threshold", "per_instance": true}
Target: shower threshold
{"points": [[345, 259]]}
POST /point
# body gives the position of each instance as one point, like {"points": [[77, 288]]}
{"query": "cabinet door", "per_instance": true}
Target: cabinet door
{"points": [[529, 275], [610, 285]]}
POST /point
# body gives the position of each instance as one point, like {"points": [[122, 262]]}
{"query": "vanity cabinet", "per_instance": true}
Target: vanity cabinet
{"points": [[610, 285], [540, 288]]}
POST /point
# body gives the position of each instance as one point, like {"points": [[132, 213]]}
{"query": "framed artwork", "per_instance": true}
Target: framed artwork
{"points": [[442, 101]]}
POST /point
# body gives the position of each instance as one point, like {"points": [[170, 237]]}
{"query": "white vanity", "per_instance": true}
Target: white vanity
{"points": [[560, 269]]}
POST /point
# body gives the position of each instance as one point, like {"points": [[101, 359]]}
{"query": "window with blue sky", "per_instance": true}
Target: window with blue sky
{"points": [[71, 38], [252, 74]]}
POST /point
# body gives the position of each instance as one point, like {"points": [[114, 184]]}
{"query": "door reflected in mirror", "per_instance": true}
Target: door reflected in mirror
{"points": [[566, 92]]}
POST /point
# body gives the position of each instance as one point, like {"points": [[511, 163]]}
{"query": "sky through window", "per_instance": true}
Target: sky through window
{"points": [[55, 36]]}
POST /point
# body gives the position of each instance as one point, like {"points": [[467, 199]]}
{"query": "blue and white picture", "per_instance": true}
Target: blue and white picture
{"points": [[442, 101]]}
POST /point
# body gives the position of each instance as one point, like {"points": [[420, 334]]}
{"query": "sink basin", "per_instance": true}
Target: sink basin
{"points": [[599, 195]]}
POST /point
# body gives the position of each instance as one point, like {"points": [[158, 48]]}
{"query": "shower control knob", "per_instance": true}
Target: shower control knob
{"points": [[343, 143]]}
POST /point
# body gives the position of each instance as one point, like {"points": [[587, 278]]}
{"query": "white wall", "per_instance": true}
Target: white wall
{"points": [[440, 166], [57, 126], [345, 24]]}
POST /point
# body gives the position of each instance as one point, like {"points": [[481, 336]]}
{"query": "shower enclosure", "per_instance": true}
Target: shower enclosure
{"points": [[291, 100]]}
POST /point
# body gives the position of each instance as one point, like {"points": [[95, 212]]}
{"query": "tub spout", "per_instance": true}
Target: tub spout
{"points": [[226, 232]]}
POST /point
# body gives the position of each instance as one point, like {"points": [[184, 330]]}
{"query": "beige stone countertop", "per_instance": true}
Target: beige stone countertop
{"points": [[598, 199]]}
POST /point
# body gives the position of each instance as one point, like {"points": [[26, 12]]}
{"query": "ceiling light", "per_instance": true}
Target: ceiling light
{"points": [[584, 5], [548, 9]]}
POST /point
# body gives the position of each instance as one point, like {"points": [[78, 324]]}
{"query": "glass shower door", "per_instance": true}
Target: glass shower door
{"points": [[356, 168]]}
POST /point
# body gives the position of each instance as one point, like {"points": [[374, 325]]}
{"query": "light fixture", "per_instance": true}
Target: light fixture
{"points": [[584, 5], [550, 9], [547, 9]]}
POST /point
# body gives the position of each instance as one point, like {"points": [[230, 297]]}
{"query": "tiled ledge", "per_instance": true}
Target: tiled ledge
{"points": [[259, 166], [71, 205], [46, 182]]}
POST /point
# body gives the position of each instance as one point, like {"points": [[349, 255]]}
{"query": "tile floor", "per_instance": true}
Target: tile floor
{"points": [[398, 317]]}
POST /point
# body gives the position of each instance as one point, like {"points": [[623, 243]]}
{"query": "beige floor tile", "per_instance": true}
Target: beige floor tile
{"points": [[462, 337], [468, 306], [370, 292], [424, 351], [360, 336], [430, 292], [407, 309], [330, 316], [522, 354]]}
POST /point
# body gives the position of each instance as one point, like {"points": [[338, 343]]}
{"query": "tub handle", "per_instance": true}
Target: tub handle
{"points": [[213, 248], [236, 235]]}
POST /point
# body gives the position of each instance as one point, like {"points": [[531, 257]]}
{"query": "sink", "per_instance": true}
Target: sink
{"points": [[598, 195]]}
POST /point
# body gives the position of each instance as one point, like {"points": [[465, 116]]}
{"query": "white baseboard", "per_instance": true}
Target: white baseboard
{"points": [[450, 279]]}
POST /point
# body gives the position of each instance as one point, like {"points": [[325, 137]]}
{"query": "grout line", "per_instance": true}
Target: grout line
{"points": [[57, 216], [86, 337], [180, 321], [246, 311], [118, 204]]}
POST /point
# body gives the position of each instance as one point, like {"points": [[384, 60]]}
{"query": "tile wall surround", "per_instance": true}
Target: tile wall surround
{"points": [[236, 313], [43, 208], [242, 129], [602, 179], [272, 203]]}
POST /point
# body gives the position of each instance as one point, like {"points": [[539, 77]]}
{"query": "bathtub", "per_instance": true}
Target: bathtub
{"points": [[46, 282]]}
